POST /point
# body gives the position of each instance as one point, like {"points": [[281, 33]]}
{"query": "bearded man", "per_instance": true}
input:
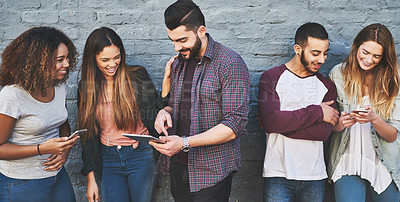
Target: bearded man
{"points": [[207, 111], [296, 105]]}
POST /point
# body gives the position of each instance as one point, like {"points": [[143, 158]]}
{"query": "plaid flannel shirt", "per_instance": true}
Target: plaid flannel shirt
{"points": [[220, 94]]}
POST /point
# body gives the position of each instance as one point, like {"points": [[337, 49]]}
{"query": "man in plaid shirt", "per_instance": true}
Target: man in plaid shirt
{"points": [[207, 112]]}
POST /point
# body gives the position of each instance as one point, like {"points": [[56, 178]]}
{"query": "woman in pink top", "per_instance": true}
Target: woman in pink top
{"points": [[115, 98]]}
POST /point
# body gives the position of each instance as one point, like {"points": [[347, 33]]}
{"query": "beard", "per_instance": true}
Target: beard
{"points": [[193, 51], [306, 64]]}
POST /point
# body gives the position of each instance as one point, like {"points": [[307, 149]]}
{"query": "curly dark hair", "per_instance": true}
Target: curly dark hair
{"points": [[29, 60]]}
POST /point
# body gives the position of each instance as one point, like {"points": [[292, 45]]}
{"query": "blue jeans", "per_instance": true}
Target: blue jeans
{"points": [[354, 188], [128, 174], [57, 188], [281, 189]]}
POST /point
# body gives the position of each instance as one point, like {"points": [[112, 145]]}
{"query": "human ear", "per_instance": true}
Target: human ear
{"points": [[297, 49], [201, 31]]}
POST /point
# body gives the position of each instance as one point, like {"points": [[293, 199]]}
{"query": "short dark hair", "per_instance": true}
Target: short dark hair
{"points": [[186, 13], [311, 29]]}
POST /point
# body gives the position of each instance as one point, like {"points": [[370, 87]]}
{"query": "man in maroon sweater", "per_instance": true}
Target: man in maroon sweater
{"points": [[297, 110]]}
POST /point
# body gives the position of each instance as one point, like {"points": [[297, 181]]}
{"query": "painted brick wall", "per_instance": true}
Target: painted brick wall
{"points": [[262, 31]]}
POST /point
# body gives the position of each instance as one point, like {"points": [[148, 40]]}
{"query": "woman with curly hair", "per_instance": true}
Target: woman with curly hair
{"points": [[365, 152], [33, 117], [115, 98]]}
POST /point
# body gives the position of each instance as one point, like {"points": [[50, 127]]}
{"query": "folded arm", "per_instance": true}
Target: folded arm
{"points": [[309, 123]]}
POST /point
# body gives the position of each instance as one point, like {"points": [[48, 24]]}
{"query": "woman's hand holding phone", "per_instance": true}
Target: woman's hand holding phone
{"points": [[78, 133]]}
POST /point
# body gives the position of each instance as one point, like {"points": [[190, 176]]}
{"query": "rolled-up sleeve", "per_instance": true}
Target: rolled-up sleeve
{"points": [[235, 95]]}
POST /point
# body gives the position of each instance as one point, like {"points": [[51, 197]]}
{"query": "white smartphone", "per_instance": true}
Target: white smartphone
{"points": [[359, 110], [77, 133]]}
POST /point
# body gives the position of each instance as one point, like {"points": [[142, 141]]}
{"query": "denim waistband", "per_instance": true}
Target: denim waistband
{"points": [[118, 147]]}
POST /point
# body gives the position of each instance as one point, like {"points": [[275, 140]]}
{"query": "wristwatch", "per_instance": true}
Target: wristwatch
{"points": [[185, 146]]}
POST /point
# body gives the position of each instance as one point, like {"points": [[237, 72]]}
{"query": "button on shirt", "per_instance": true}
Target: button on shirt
{"points": [[219, 95]]}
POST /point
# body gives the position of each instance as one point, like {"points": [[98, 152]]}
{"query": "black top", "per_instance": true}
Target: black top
{"points": [[183, 124], [149, 104]]}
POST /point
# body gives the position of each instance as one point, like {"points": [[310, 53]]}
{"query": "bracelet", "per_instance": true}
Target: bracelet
{"points": [[38, 150]]}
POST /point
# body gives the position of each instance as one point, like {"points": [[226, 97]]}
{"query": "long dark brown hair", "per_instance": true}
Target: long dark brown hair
{"points": [[385, 88], [29, 60], [92, 92]]}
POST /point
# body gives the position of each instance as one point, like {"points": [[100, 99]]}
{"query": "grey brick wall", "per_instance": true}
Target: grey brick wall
{"points": [[262, 31]]}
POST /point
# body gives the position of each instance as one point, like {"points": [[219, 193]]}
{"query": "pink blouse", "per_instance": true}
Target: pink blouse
{"points": [[110, 134]]}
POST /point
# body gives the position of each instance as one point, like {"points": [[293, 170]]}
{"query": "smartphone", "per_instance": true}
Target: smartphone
{"points": [[359, 110], [77, 133], [144, 138]]}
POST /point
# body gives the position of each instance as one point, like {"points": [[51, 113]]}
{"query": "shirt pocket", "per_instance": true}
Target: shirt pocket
{"points": [[210, 90]]}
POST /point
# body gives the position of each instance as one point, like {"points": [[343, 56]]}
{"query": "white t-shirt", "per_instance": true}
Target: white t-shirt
{"points": [[294, 158], [36, 122]]}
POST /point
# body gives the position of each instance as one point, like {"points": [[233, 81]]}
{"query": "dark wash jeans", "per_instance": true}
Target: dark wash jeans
{"points": [[180, 190], [55, 189], [284, 190], [128, 174]]}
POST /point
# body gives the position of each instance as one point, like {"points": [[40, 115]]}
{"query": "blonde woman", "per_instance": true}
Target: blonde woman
{"points": [[365, 151]]}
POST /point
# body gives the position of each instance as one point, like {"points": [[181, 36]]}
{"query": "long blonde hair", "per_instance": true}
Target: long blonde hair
{"points": [[383, 92], [91, 90]]}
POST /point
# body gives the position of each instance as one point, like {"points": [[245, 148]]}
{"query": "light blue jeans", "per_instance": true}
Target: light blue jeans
{"points": [[55, 189], [280, 189], [128, 174], [354, 188]]}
